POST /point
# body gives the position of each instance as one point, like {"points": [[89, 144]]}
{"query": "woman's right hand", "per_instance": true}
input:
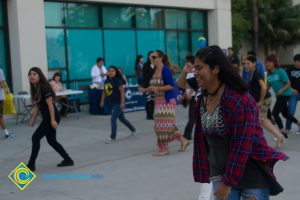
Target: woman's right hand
{"points": [[189, 68]]}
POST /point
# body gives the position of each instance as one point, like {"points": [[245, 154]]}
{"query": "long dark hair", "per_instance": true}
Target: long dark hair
{"points": [[35, 90], [213, 56], [55, 75], [118, 74], [148, 62], [166, 60]]}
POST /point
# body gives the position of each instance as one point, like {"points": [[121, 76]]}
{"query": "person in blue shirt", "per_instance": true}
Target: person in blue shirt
{"points": [[246, 74], [279, 81], [115, 94]]}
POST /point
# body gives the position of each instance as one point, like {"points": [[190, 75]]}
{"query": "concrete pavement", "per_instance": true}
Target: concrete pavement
{"points": [[125, 169]]}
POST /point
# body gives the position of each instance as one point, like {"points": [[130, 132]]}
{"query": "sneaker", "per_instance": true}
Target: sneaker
{"points": [[109, 141], [133, 133], [10, 134], [65, 163], [284, 134]]}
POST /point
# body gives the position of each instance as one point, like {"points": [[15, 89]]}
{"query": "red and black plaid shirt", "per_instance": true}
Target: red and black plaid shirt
{"points": [[240, 115]]}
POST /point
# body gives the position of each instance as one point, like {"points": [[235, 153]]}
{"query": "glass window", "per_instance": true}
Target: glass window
{"points": [[120, 49], [176, 19], [198, 20], [3, 64], [84, 46], [118, 17], [172, 46], [54, 14], [150, 41], [195, 37], [84, 97], [183, 42], [149, 18], [1, 13], [56, 55], [82, 15]]}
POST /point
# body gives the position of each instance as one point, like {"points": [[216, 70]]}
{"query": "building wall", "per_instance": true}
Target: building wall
{"points": [[28, 37]]}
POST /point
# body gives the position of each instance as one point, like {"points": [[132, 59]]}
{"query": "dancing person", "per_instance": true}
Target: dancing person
{"points": [[279, 81], [262, 96], [229, 140], [114, 92], [162, 86], [138, 69], [190, 95], [3, 91], [294, 75], [42, 97], [148, 71]]}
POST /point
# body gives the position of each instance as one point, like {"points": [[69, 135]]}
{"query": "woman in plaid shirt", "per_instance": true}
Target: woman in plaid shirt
{"points": [[229, 146]]}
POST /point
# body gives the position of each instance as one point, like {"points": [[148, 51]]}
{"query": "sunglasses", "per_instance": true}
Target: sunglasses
{"points": [[154, 57]]}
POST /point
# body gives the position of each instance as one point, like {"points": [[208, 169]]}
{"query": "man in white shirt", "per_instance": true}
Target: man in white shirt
{"points": [[3, 91], [98, 73]]}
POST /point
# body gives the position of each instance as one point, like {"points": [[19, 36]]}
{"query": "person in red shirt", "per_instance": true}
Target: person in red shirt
{"points": [[230, 149]]}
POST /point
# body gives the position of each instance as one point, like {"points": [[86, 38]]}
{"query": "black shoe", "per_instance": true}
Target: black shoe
{"points": [[284, 134], [31, 167], [66, 163]]}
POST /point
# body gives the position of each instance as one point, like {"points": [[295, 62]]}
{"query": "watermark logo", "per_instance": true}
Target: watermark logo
{"points": [[22, 176], [72, 176]]}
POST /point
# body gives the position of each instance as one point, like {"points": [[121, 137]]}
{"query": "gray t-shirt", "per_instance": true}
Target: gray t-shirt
{"points": [[2, 78]]}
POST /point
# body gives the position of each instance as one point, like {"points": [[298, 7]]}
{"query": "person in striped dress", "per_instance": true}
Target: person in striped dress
{"points": [[162, 86]]}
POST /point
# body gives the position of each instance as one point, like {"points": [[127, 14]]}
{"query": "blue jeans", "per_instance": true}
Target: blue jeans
{"points": [[292, 105], [118, 113], [237, 194]]}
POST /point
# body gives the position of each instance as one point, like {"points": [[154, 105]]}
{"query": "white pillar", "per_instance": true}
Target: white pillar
{"points": [[27, 40], [219, 24]]}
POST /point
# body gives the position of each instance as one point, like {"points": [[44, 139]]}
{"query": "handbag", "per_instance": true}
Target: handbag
{"points": [[8, 107]]}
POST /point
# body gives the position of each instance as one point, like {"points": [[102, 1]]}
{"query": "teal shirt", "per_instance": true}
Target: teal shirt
{"points": [[277, 80]]}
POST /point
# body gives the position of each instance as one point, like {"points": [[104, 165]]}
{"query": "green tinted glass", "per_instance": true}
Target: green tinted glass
{"points": [[84, 46], [82, 15], [149, 18], [120, 49], [176, 19], [118, 17], [198, 20], [56, 55], [54, 14]]}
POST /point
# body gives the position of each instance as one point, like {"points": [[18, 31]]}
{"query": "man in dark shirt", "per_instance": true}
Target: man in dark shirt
{"points": [[294, 76]]}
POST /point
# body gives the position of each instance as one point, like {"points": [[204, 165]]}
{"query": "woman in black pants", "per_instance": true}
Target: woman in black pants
{"points": [[279, 81], [42, 96]]}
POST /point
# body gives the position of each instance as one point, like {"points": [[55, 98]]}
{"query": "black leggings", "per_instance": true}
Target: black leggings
{"points": [[45, 129], [190, 125], [281, 107]]}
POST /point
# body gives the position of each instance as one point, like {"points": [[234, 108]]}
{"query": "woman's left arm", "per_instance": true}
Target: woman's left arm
{"points": [[242, 123], [52, 112]]}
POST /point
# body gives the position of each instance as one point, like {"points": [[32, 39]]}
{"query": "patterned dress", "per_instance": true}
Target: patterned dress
{"points": [[164, 117]]}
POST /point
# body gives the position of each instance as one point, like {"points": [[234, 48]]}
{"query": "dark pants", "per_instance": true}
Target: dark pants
{"points": [[190, 125], [149, 106], [282, 107], [45, 129], [118, 113]]}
